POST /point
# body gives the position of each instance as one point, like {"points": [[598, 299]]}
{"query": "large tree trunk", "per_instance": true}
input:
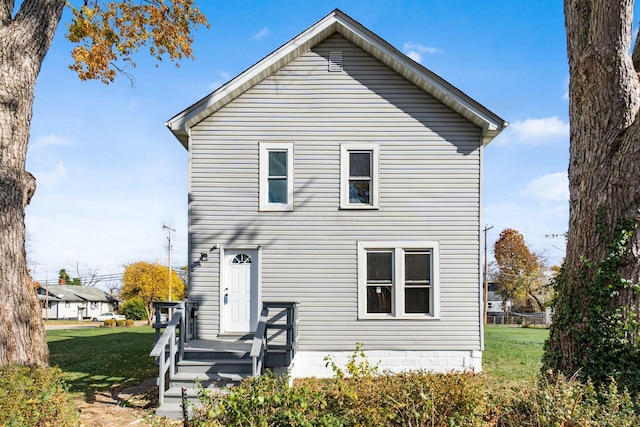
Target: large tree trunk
{"points": [[24, 41], [594, 327]]}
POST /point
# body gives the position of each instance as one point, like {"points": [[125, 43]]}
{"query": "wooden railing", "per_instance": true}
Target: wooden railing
{"points": [[260, 343], [269, 348], [167, 357], [274, 344]]}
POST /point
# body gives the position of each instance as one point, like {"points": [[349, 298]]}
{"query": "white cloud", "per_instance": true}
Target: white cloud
{"points": [[224, 78], [51, 140], [415, 50], [552, 187], [534, 132], [48, 179], [261, 34]]}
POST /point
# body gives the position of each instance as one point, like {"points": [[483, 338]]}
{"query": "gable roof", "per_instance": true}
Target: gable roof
{"points": [[73, 293], [339, 22]]}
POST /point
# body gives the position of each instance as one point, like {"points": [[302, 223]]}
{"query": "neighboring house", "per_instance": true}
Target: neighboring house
{"points": [[495, 303], [73, 302], [339, 174]]}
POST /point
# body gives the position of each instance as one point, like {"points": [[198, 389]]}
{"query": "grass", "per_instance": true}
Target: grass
{"points": [[98, 359], [513, 356]]}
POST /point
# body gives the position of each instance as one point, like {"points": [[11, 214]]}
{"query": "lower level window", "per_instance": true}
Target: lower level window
{"points": [[398, 279]]}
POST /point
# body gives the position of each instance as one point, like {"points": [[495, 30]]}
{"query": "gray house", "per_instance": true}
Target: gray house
{"points": [[340, 177]]}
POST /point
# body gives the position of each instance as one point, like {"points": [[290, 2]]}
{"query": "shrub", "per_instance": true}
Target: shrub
{"points": [[558, 401], [34, 397], [120, 323], [360, 396], [135, 309], [110, 323], [129, 322], [357, 397], [264, 401]]}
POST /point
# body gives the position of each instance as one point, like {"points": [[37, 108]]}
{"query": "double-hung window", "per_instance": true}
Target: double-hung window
{"points": [[398, 279], [276, 176], [359, 176]]}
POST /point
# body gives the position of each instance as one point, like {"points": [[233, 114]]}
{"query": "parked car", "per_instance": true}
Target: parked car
{"points": [[106, 316]]}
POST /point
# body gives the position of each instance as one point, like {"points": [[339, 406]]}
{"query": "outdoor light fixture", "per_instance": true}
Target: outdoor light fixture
{"points": [[213, 248], [195, 265], [203, 256]]}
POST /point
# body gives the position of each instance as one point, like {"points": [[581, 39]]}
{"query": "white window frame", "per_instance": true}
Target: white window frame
{"points": [[398, 249], [265, 148], [345, 149]]}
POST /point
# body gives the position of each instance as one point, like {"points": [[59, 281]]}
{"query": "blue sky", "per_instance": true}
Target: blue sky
{"points": [[110, 174]]}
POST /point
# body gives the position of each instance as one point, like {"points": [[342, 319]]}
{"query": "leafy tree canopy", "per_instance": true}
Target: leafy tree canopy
{"points": [[107, 31], [150, 282], [520, 274], [65, 279]]}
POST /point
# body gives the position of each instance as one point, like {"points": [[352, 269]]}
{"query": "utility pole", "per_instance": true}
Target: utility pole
{"points": [[486, 275], [168, 228], [46, 291]]}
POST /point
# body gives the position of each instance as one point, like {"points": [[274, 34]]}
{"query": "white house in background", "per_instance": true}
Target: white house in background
{"points": [[340, 175], [73, 302]]}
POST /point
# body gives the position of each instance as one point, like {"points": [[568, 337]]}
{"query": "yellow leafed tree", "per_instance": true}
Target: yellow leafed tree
{"points": [[150, 282]]}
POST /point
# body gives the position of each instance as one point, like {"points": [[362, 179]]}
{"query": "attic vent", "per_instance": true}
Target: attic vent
{"points": [[335, 61]]}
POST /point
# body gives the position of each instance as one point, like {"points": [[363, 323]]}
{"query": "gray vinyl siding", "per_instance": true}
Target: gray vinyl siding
{"points": [[429, 178]]}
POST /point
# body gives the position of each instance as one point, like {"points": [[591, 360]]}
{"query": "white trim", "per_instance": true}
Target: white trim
{"points": [[265, 148], [481, 243], [308, 364], [398, 248], [344, 175]]}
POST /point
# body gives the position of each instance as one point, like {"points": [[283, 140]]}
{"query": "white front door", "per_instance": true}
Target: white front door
{"points": [[240, 291]]}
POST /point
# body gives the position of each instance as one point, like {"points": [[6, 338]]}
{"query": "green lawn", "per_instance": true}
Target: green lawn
{"points": [[96, 359], [102, 358], [513, 355]]}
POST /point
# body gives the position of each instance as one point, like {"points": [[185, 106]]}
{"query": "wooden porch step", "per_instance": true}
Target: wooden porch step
{"points": [[170, 410], [209, 379], [216, 365]]}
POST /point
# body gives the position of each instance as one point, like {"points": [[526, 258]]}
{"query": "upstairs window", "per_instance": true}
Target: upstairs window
{"points": [[276, 176], [358, 176]]}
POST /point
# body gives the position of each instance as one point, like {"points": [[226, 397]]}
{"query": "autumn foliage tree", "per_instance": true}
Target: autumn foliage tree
{"points": [[107, 34], [150, 282], [519, 273]]}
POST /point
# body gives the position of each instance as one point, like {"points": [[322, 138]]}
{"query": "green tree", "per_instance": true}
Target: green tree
{"points": [[150, 282], [596, 327], [134, 308], [104, 31], [65, 279]]}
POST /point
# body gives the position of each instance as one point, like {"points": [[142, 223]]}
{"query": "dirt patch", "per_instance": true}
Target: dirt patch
{"points": [[130, 406]]}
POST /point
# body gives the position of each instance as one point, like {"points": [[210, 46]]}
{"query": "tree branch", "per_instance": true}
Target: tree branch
{"points": [[6, 7]]}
